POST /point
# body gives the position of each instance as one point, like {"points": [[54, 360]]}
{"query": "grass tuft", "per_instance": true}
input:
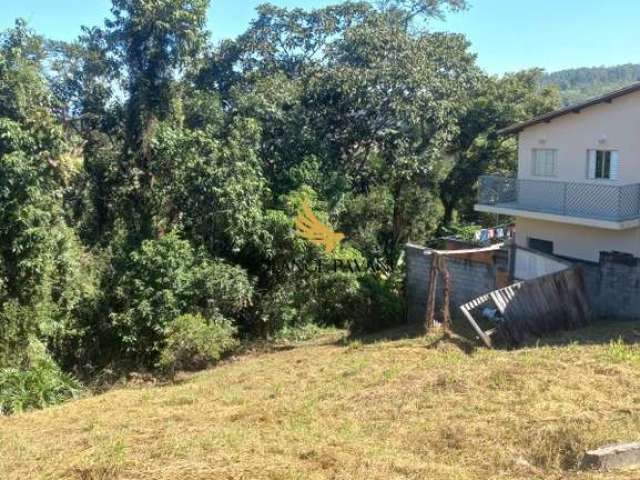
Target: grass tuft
{"points": [[375, 408], [558, 447]]}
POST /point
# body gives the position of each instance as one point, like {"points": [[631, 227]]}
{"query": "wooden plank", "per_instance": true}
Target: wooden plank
{"points": [[497, 246], [446, 294], [476, 327], [431, 294], [476, 302], [540, 306], [499, 300]]}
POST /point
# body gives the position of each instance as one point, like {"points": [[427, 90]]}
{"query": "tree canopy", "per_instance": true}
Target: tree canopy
{"points": [[150, 179]]}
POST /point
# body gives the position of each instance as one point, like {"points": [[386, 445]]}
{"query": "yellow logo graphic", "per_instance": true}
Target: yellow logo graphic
{"points": [[310, 228]]}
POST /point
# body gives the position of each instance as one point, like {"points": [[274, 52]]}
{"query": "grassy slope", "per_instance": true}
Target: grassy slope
{"points": [[383, 410]]}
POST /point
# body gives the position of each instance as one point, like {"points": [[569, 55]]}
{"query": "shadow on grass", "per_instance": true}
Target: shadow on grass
{"points": [[450, 338], [600, 332], [401, 332], [458, 336]]}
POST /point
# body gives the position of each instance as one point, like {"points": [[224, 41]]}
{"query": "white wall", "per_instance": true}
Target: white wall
{"points": [[533, 265], [577, 241], [575, 133]]}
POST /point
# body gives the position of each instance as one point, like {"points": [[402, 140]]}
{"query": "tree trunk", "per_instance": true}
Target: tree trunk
{"points": [[447, 218]]}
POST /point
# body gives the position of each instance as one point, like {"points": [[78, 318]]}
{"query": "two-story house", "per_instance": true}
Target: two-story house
{"points": [[577, 192]]}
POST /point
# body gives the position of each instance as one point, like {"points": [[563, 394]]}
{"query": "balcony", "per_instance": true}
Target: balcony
{"points": [[590, 204]]}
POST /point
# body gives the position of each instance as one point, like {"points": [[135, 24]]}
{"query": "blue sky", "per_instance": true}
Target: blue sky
{"points": [[507, 35]]}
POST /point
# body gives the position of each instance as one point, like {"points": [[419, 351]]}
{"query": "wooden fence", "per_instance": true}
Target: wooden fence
{"points": [[535, 307]]}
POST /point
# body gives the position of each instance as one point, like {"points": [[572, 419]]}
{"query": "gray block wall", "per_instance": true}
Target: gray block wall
{"points": [[469, 279], [416, 284], [613, 285]]}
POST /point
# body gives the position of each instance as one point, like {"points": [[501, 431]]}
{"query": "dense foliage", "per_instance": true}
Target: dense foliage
{"points": [[149, 180], [194, 342], [38, 384]]}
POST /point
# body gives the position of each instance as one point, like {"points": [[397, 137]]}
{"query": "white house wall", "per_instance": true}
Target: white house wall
{"points": [[530, 265], [575, 241], [612, 126]]}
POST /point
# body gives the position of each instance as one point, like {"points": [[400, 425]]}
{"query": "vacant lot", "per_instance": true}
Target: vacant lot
{"points": [[409, 408]]}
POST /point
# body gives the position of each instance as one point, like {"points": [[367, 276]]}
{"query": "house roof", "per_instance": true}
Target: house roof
{"points": [[576, 108]]}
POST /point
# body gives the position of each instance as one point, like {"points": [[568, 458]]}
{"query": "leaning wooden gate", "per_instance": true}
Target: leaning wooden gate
{"points": [[534, 307]]}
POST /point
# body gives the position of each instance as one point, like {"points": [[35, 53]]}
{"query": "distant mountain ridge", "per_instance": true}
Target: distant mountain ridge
{"points": [[577, 84]]}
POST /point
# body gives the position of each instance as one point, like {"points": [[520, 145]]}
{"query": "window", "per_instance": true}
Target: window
{"points": [[544, 246], [544, 162], [603, 164]]}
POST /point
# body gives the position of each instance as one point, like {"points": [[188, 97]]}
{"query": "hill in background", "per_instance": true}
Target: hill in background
{"points": [[578, 84]]}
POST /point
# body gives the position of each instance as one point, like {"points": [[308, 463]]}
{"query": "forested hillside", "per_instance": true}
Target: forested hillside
{"points": [[150, 179], [578, 84]]}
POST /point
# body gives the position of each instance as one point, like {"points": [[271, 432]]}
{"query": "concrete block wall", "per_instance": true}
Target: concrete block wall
{"points": [[470, 277], [613, 285], [416, 284]]}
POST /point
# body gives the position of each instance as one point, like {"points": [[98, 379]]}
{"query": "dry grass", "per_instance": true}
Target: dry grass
{"points": [[352, 410]]}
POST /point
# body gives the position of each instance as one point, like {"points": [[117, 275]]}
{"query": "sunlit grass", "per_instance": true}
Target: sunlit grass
{"points": [[352, 409]]}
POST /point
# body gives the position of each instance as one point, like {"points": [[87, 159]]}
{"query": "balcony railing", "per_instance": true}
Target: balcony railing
{"points": [[586, 200]]}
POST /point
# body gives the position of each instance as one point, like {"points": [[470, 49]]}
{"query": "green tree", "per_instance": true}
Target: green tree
{"points": [[409, 10], [390, 103], [477, 148], [44, 271], [85, 79], [155, 42], [212, 184], [167, 278]]}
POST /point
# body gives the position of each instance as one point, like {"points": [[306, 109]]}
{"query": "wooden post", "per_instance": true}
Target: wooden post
{"points": [[446, 290], [431, 296]]}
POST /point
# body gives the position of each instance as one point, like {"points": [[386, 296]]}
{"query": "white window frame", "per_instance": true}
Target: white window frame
{"points": [[613, 162], [547, 166]]}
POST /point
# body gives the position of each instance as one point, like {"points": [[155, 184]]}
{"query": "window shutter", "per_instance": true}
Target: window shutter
{"points": [[550, 170], [536, 164], [615, 165], [591, 164], [543, 162]]}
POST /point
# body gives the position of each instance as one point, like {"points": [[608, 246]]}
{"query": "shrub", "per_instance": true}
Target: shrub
{"points": [[378, 305], [363, 303], [219, 286], [279, 309], [46, 275], [330, 290], [192, 342], [321, 298], [335, 299], [37, 385], [165, 279]]}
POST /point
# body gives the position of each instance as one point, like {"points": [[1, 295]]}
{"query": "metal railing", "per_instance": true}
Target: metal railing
{"points": [[587, 200]]}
